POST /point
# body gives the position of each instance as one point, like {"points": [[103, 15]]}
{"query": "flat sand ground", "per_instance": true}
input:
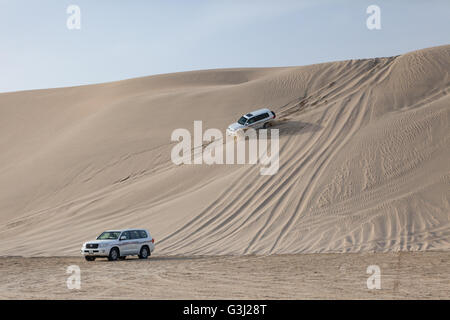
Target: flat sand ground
{"points": [[405, 275]]}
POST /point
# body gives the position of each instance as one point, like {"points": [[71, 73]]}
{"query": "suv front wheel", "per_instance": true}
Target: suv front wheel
{"points": [[113, 254]]}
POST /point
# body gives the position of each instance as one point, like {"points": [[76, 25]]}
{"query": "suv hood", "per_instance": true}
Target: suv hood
{"points": [[235, 126], [102, 241]]}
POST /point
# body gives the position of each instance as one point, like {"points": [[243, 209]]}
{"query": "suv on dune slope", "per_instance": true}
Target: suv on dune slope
{"points": [[117, 244], [261, 118]]}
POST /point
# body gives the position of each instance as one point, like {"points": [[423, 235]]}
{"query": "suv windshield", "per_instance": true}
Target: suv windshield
{"points": [[242, 120], [109, 235]]}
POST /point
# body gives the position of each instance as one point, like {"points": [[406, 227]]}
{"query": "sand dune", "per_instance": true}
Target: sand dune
{"points": [[364, 161]]}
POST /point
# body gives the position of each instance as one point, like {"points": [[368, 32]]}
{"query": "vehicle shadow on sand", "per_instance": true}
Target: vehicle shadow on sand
{"points": [[154, 258], [293, 128]]}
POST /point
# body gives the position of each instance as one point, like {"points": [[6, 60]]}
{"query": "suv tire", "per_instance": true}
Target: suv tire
{"points": [[113, 254], [144, 253]]}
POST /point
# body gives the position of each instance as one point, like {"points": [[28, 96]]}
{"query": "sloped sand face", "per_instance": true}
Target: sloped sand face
{"points": [[364, 161]]}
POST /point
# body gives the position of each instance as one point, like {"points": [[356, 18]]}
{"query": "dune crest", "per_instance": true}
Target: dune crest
{"points": [[364, 161]]}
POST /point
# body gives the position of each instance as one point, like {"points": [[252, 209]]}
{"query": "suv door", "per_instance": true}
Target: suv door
{"points": [[261, 119], [144, 239], [126, 244], [135, 246], [251, 122]]}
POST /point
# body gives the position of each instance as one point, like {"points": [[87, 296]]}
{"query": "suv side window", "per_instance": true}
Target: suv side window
{"points": [[261, 116], [251, 120], [126, 234], [143, 234], [135, 234], [257, 118]]}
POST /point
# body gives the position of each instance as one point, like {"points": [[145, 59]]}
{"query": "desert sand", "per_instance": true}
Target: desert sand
{"points": [[403, 275], [364, 161]]}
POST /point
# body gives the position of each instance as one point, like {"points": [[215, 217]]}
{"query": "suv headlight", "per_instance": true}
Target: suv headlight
{"points": [[102, 245]]}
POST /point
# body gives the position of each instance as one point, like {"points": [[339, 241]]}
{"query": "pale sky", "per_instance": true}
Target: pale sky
{"points": [[125, 39]]}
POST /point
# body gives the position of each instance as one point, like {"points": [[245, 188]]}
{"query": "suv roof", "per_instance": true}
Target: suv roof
{"points": [[257, 112]]}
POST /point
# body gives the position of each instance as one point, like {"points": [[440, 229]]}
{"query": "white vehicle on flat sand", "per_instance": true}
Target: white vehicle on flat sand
{"points": [[256, 119], [117, 244]]}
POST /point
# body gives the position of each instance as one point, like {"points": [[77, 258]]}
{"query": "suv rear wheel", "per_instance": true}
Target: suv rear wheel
{"points": [[145, 252]]}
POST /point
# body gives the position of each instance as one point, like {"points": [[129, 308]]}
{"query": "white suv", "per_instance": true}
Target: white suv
{"points": [[117, 244], [256, 119]]}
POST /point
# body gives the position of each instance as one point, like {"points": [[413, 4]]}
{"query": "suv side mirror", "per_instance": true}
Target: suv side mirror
{"points": [[123, 238]]}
